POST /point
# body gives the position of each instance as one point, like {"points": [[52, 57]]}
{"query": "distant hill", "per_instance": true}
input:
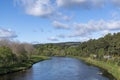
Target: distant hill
{"points": [[62, 44]]}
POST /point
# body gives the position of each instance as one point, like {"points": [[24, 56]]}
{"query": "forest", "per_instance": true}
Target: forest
{"points": [[106, 48]]}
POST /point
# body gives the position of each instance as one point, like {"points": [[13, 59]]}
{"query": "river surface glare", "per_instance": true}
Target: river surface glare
{"points": [[58, 68]]}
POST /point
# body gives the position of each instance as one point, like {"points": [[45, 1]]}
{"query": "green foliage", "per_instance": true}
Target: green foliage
{"points": [[6, 56], [15, 56], [22, 66], [105, 48]]}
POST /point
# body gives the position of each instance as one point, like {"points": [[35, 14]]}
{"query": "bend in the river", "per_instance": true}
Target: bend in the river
{"points": [[58, 68]]}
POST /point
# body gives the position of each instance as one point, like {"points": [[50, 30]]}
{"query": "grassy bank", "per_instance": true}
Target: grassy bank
{"points": [[111, 68], [22, 66]]}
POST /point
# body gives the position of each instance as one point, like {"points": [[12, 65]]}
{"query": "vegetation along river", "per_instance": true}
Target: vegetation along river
{"points": [[58, 68]]}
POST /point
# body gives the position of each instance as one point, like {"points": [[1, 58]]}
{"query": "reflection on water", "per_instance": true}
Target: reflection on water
{"points": [[58, 68]]}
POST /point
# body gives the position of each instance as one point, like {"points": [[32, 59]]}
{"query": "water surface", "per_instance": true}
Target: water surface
{"points": [[58, 68]]}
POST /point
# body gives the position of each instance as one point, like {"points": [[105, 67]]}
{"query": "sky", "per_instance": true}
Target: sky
{"points": [[53, 21]]}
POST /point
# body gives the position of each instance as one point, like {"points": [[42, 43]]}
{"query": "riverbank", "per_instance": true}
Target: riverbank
{"points": [[109, 67], [22, 66]]}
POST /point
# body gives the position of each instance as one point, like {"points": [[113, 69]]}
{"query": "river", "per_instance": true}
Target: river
{"points": [[58, 68]]}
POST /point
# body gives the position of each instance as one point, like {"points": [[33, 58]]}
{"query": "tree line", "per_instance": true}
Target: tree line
{"points": [[106, 48], [14, 52]]}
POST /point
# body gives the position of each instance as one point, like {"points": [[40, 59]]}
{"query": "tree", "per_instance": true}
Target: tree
{"points": [[6, 56]]}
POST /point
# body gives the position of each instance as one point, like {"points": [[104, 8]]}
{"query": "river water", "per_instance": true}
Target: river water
{"points": [[58, 68]]}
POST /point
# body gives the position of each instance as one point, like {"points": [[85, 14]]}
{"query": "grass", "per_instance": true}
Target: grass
{"points": [[110, 67], [22, 66]]}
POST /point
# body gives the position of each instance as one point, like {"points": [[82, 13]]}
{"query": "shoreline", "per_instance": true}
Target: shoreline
{"points": [[22, 66], [100, 64], [112, 72]]}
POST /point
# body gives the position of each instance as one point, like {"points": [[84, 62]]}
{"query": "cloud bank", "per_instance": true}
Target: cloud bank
{"points": [[40, 8], [85, 4], [6, 33], [60, 25], [53, 39], [85, 29]]}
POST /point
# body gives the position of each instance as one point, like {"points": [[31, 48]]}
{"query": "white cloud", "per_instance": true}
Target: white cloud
{"points": [[7, 33], [68, 3], [113, 25], [67, 18], [63, 17], [104, 32], [53, 39], [83, 39], [85, 29], [60, 25], [40, 8], [86, 4]]}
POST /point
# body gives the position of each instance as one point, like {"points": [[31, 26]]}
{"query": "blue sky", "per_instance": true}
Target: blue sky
{"points": [[51, 21]]}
